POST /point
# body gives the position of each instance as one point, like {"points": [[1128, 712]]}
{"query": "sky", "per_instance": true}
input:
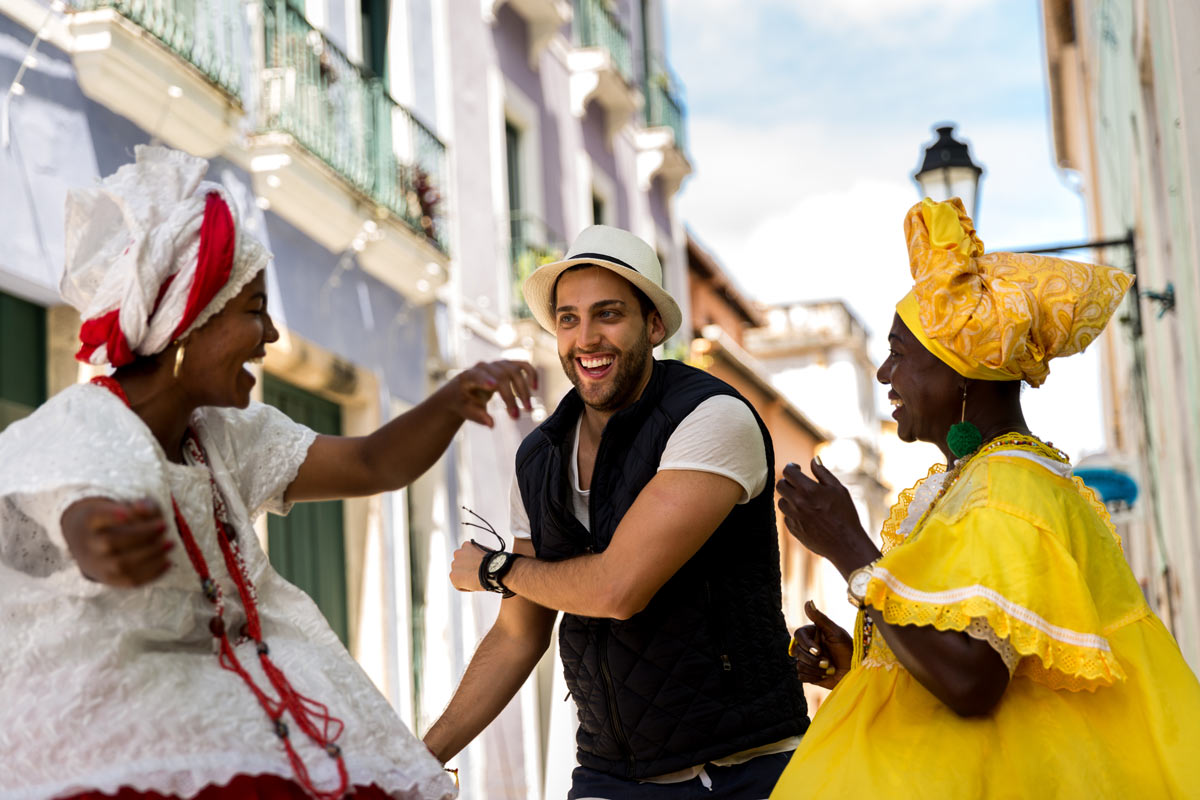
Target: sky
{"points": [[806, 121]]}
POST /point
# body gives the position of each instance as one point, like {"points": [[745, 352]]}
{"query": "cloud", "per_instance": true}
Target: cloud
{"points": [[843, 243], [891, 20], [808, 118], [883, 15], [812, 211]]}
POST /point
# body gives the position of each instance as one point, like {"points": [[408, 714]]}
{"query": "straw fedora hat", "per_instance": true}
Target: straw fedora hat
{"points": [[612, 249]]}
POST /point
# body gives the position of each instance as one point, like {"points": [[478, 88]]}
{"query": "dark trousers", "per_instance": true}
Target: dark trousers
{"points": [[752, 780]]}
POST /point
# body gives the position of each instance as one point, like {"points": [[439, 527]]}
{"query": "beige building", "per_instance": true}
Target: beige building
{"points": [[723, 317], [816, 354], [1124, 81]]}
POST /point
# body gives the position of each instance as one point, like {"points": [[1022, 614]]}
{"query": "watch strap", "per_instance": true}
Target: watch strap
{"points": [[856, 600], [494, 581]]}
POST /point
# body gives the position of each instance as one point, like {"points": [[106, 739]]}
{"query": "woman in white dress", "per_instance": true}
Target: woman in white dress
{"points": [[147, 647]]}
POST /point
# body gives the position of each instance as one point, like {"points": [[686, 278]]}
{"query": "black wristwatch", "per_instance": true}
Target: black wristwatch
{"points": [[492, 570]]}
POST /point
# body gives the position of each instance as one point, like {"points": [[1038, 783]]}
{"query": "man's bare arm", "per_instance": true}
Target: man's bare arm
{"points": [[671, 519], [502, 662]]}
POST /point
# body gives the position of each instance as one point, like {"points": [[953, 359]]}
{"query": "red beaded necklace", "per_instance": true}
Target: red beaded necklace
{"points": [[313, 718]]}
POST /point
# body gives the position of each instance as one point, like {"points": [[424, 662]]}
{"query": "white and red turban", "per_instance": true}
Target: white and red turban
{"points": [[152, 253]]}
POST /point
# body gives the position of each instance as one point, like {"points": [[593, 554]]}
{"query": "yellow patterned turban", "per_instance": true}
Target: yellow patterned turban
{"points": [[999, 316]]}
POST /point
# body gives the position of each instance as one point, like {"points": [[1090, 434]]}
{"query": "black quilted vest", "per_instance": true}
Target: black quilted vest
{"points": [[702, 672]]}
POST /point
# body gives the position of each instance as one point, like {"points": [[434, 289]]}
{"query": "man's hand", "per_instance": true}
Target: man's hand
{"points": [[821, 515], [823, 651], [117, 544], [468, 392], [464, 569]]}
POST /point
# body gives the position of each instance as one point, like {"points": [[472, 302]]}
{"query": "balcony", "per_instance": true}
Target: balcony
{"points": [[173, 67], [543, 19], [326, 125], [601, 66], [664, 106], [531, 244], [662, 146]]}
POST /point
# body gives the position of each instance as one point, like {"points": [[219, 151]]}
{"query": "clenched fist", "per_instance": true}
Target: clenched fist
{"points": [[823, 650], [115, 543]]}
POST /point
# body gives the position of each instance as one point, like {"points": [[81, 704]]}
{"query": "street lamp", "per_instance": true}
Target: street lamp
{"points": [[948, 171]]}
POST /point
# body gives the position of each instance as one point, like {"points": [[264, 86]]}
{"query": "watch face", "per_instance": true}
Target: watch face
{"points": [[859, 582], [495, 562]]}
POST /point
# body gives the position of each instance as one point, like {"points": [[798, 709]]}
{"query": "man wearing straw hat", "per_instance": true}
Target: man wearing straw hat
{"points": [[641, 509]]}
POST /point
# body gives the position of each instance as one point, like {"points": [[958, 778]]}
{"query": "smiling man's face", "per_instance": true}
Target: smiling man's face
{"points": [[604, 341]]}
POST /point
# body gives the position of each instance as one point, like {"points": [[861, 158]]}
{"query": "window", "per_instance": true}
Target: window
{"points": [[512, 163], [307, 547], [598, 217], [418, 564], [22, 358], [521, 257], [374, 36]]}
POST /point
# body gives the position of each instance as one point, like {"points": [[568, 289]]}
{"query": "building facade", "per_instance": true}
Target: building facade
{"points": [[722, 318], [408, 162], [1125, 103]]}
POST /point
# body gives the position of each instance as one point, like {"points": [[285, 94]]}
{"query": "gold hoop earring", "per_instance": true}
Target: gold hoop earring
{"points": [[179, 354]]}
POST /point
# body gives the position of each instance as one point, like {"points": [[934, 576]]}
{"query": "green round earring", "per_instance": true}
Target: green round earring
{"points": [[963, 438]]}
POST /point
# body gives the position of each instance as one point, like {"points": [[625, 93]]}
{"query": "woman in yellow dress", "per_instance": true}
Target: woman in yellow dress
{"points": [[1003, 648]]}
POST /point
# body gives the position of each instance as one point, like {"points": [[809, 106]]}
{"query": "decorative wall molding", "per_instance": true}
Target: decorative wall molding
{"points": [[124, 68], [658, 156], [594, 76]]}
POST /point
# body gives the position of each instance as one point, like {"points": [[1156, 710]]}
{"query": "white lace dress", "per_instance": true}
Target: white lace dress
{"points": [[102, 688]]}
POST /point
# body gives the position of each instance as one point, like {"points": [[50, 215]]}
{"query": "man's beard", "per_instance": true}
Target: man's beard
{"points": [[631, 364]]}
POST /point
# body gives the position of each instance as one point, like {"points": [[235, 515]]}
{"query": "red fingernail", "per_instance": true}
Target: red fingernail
{"points": [[121, 515], [167, 546]]}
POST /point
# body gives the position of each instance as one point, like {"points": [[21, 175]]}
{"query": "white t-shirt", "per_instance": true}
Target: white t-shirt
{"points": [[719, 436]]}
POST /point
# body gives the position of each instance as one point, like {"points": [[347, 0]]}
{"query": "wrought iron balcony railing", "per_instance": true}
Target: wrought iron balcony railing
{"points": [[597, 26], [345, 116], [208, 34], [664, 106], [531, 244]]}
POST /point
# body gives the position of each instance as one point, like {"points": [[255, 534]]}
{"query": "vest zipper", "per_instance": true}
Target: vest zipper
{"points": [[610, 692], [719, 640], [611, 696]]}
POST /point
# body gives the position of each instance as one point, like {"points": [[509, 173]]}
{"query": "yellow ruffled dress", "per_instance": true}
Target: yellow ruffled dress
{"points": [[1017, 552]]}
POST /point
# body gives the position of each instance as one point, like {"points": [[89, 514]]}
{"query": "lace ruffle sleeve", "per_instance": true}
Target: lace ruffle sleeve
{"points": [[81, 443], [1019, 560], [263, 449]]}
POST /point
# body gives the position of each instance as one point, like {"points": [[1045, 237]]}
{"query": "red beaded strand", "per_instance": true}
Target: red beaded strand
{"points": [[327, 728]]}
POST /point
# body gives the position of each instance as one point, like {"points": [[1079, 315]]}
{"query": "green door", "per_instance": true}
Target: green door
{"points": [[22, 358], [307, 546]]}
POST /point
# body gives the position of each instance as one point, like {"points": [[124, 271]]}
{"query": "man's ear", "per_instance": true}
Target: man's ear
{"points": [[657, 328]]}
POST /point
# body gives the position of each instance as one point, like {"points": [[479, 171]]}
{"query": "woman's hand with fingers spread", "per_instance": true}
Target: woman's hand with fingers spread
{"points": [[823, 650], [470, 390], [821, 515]]}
